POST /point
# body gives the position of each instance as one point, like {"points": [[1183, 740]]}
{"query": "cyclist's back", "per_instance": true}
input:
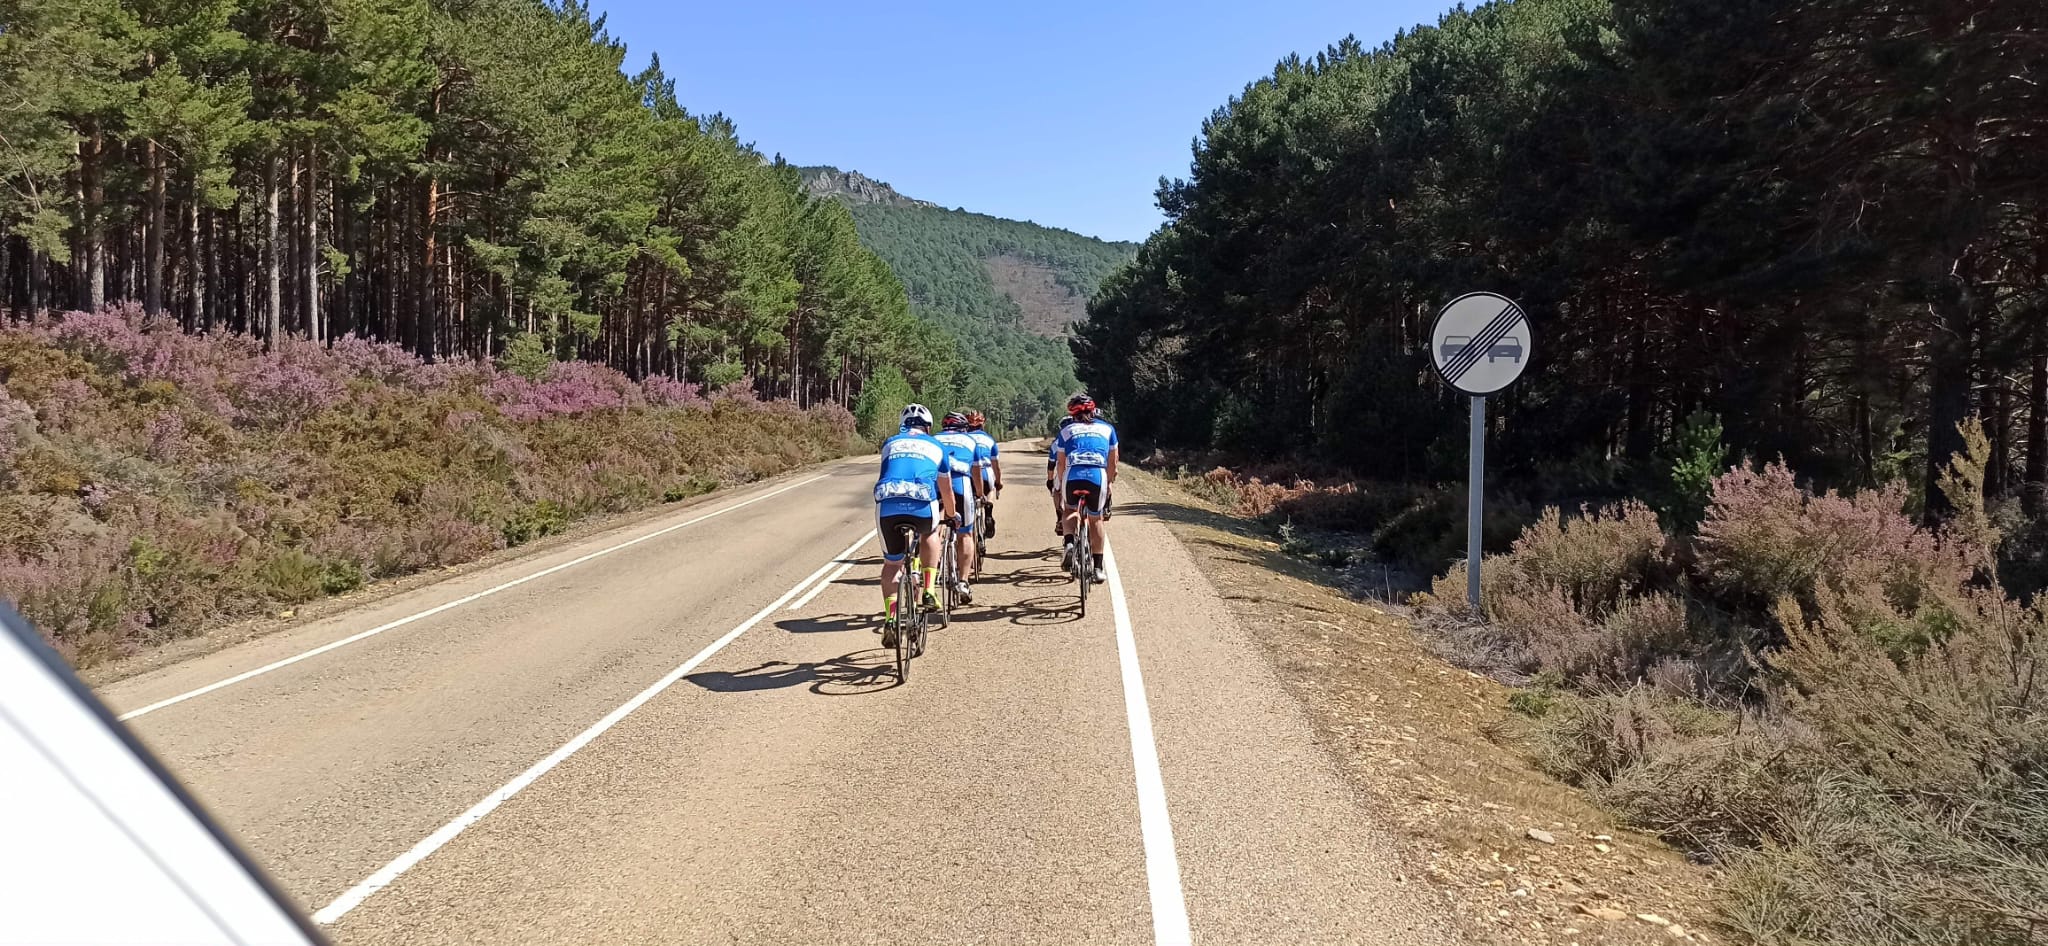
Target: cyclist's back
{"points": [[909, 497], [1087, 445], [909, 481]]}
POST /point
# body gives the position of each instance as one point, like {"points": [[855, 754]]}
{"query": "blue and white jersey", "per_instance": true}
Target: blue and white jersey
{"points": [[987, 454], [911, 465], [965, 454], [1086, 447]]}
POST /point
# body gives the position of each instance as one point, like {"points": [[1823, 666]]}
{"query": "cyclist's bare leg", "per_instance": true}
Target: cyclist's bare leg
{"points": [[890, 572], [928, 551], [963, 562]]}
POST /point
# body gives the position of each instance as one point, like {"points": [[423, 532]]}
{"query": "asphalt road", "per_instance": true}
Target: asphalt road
{"points": [[686, 731]]}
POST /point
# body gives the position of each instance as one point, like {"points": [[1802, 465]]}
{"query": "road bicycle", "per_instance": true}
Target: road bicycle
{"points": [[1078, 556], [949, 575], [984, 515], [910, 613]]}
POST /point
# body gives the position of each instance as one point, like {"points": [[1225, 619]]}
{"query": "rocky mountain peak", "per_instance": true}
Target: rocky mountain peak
{"points": [[855, 187]]}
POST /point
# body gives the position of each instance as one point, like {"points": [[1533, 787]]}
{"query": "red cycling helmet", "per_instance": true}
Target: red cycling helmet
{"points": [[976, 420], [1080, 404]]}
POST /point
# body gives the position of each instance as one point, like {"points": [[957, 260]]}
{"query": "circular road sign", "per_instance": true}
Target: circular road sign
{"points": [[1481, 343]]}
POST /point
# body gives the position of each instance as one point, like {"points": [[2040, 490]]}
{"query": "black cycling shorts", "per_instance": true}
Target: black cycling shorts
{"points": [[893, 546], [1093, 503]]}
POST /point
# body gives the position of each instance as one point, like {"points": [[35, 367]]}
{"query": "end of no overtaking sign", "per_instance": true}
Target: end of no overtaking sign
{"points": [[1481, 343]]}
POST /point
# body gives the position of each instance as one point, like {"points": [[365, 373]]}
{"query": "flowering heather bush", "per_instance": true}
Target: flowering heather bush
{"points": [[1765, 538], [153, 482], [382, 362], [664, 391], [1873, 771], [569, 387], [1580, 597]]}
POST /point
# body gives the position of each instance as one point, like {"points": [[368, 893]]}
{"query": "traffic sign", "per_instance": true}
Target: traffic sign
{"points": [[1481, 343]]}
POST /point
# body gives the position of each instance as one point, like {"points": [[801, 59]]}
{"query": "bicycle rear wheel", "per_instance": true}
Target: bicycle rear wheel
{"points": [[1082, 571], [988, 527], [906, 609]]}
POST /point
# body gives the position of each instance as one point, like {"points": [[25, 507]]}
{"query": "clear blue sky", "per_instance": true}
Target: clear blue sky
{"points": [[1064, 113]]}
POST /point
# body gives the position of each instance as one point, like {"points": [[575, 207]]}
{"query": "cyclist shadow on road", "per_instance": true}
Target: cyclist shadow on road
{"points": [[1044, 576], [1026, 555], [863, 671], [1043, 611], [828, 624]]}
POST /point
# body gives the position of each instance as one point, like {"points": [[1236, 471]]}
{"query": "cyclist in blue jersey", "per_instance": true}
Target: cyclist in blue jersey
{"points": [[907, 493], [967, 490], [1052, 462], [992, 475], [1087, 458]]}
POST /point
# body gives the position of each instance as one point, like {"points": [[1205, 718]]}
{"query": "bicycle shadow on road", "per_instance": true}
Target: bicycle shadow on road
{"points": [[828, 624], [1043, 611], [862, 671], [1040, 577]]}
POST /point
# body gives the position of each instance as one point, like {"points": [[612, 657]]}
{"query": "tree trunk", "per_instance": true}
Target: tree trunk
{"points": [[92, 288], [314, 327], [1997, 474], [2036, 490], [273, 308], [430, 205], [38, 274], [153, 253], [202, 318], [1948, 395], [1639, 443]]}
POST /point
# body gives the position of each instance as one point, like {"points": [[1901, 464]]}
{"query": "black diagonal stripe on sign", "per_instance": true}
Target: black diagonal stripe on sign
{"points": [[1483, 342], [1489, 332]]}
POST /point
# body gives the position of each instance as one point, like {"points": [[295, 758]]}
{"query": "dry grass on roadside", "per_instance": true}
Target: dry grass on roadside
{"points": [[1436, 747]]}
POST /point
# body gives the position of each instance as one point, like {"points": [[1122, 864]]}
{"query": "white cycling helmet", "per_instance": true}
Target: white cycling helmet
{"points": [[917, 415]]}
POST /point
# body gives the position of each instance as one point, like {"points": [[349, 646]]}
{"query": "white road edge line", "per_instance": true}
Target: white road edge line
{"points": [[821, 586], [355, 895], [459, 602], [1162, 866]]}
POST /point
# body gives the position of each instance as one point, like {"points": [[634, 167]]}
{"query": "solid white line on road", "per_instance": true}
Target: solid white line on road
{"points": [[404, 862], [821, 586], [459, 602], [1162, 866]]}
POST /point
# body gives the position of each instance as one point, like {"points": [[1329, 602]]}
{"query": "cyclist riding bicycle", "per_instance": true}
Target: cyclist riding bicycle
{"points": [[992, 474], [907, 493], [1052, 462], [967, 491], [1087, 459], [1052, 459]]}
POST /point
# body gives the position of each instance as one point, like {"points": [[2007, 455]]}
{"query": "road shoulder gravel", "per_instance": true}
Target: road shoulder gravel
{"points": [[1426, 745]]}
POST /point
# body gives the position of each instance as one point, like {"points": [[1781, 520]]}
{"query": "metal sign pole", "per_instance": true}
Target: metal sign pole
{"points": [[1474, 506], [1479, 345]]}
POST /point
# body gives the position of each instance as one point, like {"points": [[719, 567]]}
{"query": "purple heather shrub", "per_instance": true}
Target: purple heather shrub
{"points": [[288, 385], [68, 398], [216, 480], [377, 361], [17, 424], [664, 391]]}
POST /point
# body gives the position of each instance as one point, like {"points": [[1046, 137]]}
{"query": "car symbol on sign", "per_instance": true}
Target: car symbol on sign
{"points": [[1508, 347]]}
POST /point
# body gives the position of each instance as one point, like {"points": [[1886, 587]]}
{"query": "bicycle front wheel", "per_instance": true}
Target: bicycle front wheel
{"points": [[948, 578]]}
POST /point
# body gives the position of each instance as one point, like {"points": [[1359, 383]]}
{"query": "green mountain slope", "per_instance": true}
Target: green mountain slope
{"points": [[1009, 290]]}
